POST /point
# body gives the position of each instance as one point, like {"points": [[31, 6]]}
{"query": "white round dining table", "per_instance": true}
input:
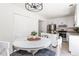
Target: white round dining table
{"points": [[32, 45]]}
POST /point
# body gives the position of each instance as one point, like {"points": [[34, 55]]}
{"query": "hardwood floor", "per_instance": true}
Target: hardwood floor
{"points": [[65, 49]]}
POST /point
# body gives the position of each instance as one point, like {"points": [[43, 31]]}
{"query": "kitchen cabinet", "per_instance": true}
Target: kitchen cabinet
{"points": [[77, 15], [74, 44]]}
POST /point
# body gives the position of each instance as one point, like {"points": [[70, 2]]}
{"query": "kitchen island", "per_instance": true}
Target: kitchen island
{"points": [[73, 39]]}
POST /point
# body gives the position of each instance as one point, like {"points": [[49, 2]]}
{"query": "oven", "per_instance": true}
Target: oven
{"points": [[63, 34]]}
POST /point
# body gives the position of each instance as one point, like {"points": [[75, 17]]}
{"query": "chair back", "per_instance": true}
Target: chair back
{"points": [[46, 35], [4, 48]]}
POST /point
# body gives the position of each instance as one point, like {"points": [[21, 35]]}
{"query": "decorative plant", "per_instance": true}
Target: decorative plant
{"points": [[34, 33]]}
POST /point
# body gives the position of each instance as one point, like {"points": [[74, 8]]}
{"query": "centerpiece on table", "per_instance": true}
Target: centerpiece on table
{"points": [[33, 36]]}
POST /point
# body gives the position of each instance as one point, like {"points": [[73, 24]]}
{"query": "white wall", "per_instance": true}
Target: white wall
{"points": [[24, 25], [7, 20], [6, 23], [43, 26]]}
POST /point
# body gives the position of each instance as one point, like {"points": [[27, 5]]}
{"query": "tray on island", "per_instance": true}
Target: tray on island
{"points": [[34, 39]]}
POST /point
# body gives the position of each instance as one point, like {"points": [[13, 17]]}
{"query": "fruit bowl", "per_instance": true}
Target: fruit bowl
{"points": [[34, 39]]}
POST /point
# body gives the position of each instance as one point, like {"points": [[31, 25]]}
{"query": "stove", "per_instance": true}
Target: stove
{"points": [[62, 33]]}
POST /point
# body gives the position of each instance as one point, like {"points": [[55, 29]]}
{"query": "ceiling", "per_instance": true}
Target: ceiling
{"points": [[53, 10]]}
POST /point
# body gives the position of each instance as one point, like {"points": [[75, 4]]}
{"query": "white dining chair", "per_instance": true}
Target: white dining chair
{"points": [[52, 37], [46, 35], [4, 48]]}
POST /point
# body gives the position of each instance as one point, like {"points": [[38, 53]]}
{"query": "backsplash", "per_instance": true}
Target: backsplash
{"points": [[76, 29], [62, 25]]}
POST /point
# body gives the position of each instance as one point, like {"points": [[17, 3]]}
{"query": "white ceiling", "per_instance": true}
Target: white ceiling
{"points": [[52, 10]]}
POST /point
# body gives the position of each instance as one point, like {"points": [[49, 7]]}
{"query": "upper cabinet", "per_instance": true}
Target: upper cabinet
{"points": [[77, 15]]}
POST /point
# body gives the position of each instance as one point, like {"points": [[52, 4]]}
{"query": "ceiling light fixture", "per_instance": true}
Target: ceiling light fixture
{"points": [[35, 7]]}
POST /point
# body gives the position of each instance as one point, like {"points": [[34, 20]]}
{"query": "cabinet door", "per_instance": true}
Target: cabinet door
{"points": [[70, 43], [77, 16], [74, 45]]}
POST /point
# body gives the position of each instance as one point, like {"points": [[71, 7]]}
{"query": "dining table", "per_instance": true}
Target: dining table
{"points": [[31, 46]]}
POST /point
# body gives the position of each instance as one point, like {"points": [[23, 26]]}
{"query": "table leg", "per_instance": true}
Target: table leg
{"points": [[34, 51]]}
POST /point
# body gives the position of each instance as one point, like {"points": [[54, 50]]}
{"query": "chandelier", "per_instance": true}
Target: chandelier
{"points": [[35, 7]]}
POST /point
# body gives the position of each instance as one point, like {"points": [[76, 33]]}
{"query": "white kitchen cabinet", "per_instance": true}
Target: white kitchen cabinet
{"points": [[77, 15], [74, 44]]}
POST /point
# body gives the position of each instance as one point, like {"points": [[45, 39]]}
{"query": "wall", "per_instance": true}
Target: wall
{"points": [[24, 26], [42, 26], [7, 20], [6, 23]]}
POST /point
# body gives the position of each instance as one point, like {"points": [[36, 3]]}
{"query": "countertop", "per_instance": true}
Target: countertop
{"points": [[73, 32], [69, 30]]}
